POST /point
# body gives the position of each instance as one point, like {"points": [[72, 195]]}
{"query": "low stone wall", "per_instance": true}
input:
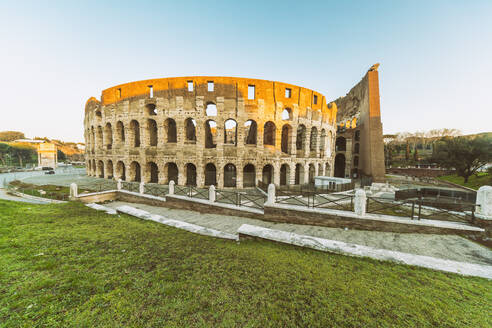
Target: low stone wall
{"points": [[98, 197], [341, 220]]}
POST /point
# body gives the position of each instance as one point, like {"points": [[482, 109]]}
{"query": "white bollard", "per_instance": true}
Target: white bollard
{"points": [[142, 188], [211, 193], [271, 194], [484, 200], [360, 202], [74, 193], [171, 187], [118, 184]]}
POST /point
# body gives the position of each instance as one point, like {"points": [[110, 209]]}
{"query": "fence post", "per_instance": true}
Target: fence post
{"points": [[420, 206], [171, 187], [360, 202], [73, 190], [271, 194], [413, 208], [211, 193], [484, 202], [118, 184], [142, 188]]}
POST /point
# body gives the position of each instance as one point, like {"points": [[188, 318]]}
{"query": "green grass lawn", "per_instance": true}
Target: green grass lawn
{"points": [[474, 182], [66, 265]]}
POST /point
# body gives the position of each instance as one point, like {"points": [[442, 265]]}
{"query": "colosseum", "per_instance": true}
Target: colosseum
{"points": [[202, 130]]}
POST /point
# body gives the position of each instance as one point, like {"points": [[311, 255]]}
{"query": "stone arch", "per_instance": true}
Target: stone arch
{"points": [[340, 166], [190, 171], [170, 130], [172, 172], [301, 137], [135, 171], [150, 109], [267, 174], [94, 168], [269, 131], [286, 138], [152, 128], [135, 131], [299, 174], [100, 169], [341, 144], [287, 114], [230, 175], [210, 134], [356, 148], [313, 139], [120, 131], [320, 169], [210, 174], [99, 136], [120, 170], [190, 129], [356, 161], [312, 173], [284, 174], [211, 109], [108, 136], [357, 135], [249, 176], [109, 169], [230, 132], [251, 131], [152, 172]]}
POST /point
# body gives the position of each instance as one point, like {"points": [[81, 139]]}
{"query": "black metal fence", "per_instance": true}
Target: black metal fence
{"points": [[444, 195], [305, 189], [315, 200], [155, 189], [130, 186], [240, 198]]}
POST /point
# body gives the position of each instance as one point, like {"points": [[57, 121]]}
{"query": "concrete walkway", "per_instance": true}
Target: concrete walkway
{"points": [[447, 247]]}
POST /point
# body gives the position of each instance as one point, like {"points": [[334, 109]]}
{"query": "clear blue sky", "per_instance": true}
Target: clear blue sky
{"points": [[436, 56]]}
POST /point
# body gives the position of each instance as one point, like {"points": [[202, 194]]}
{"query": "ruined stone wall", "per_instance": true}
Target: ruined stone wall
{"points": [[286, 150], [359, 113]]}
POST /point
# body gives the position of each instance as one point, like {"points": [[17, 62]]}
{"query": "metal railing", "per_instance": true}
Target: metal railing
{"points": [[155, 189], [315, 200], [240, 198], [130, 186]]}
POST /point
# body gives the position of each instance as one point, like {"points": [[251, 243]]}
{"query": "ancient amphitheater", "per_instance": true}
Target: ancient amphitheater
{"points": [[200, 130]]}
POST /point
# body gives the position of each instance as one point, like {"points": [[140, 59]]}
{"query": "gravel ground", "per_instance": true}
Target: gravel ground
{"points": [[441, 246]]}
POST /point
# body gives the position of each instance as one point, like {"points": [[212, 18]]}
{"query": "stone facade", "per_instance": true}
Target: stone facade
{"points": [[359, 144], [223, 131]]}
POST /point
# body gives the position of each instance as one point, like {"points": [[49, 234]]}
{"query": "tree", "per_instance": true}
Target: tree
{"points": [[466, 155], [415, 155], [11, 135], [407, 152], [4, 150], [61, 155], [23, 153]]}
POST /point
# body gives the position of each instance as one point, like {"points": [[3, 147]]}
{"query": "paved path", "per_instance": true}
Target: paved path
{"points": [[5, 196], [441, 246]]}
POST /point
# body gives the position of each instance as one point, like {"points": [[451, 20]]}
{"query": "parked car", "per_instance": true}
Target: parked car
{"points": [[47, 168], [49, 172]]}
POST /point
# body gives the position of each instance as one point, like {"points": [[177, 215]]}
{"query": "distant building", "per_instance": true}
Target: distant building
{"points": [[47, 154]]}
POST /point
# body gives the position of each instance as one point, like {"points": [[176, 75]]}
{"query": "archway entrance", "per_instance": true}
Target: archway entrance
{"points": [[267, 177], [340, 166]]}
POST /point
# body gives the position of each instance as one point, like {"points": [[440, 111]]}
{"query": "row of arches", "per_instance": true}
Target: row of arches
{"points": [[150, 173], [317, 141]]}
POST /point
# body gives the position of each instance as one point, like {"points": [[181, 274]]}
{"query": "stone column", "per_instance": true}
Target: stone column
{"points": [[484, 202], [239, 177], [211, 193], [360, 202], [118, 184], [171, 188], [292, 174], [73, 190], [271, 194], [141, 188], [276, 174]]}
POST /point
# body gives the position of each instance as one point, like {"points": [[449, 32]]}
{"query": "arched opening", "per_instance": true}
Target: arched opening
{"points": [[356, 161], [312, 172], [320, 170], [286, 138], [230, 132], [151, 109], [99, 137], [211, 109], [249, 176], [152, 172], [93, 139], [341, 144], [120, 170], [170, 130], [356, 148], [340, 166], [357, 135], [250, 128], [94, 168], [267, 174], [108, 133], [190, 125], [210, 134], [284, 174], [314, 139], [301, 137], [109, 169], [287, 114], [172, 172], [89, 167], [322, 141], [98, 114], [190, 174], [120, 128], [269, 133], [230, 175], [135, 172], [100, 169], [299, 176], [327, 169], [210, 174], [135, 129], [152, 127]]}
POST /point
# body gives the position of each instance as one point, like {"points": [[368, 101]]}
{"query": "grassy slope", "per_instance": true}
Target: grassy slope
{"points": [[473, 182], [68, 265]]}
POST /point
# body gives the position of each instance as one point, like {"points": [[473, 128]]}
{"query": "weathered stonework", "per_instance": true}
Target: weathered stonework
{"points": [[160, 130]]}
